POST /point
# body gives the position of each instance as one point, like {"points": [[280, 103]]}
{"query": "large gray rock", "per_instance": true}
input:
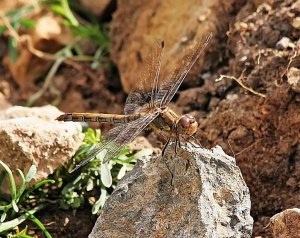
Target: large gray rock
{"points": [[33, 136], [194, 193]]}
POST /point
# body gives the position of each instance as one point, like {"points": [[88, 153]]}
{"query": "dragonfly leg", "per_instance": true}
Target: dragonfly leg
{"points": [[198, 144], [165, 146], [177, 144]]}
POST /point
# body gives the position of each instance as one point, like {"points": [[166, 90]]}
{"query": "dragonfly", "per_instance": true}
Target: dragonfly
{"points": [[146, 106]]}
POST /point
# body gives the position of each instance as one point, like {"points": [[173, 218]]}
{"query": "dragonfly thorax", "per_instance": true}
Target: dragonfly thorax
{"points": [[187, 125]]}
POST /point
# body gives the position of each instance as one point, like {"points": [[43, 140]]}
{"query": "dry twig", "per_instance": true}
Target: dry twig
{"points": [[239, 81]]}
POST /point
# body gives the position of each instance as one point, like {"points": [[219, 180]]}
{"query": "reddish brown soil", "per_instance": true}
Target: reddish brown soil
{"points": [[62, 223], [262, 133]]}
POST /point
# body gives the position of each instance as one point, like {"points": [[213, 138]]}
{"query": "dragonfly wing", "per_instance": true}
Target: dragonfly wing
{"points": [[174, 80], [117, 137], [146, 89], [135, 101], [124, 134]]}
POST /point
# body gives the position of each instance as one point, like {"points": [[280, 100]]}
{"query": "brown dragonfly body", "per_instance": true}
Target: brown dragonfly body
{"points": [[145, 108], [166, 121], [98, 117]]}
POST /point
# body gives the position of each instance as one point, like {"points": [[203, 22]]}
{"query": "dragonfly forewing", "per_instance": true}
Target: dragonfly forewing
{"points": [[147, 86], [172, 83]]}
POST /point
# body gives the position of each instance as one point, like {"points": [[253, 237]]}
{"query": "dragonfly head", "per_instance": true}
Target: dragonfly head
{"points": [[187, 125]]}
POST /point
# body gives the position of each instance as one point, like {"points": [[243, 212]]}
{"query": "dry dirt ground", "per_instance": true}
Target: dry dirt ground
{"points": [[260, 128]]}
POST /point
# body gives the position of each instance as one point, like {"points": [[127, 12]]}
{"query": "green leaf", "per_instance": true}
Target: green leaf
{"points": [[38, 223], [12, 49], [58, 10], [2, 29], [34, 187], [122, 171], [125, 151], [25, 180], [100, 202], [22, 233], [5, 226], [27, 23], [101, 155], [21, 175], [142, 153], [3, 216], [77, 202], [138, 155], [105, 175], [90, 185], [14, 205], [11, 180], [69, 14], [31, 173]]}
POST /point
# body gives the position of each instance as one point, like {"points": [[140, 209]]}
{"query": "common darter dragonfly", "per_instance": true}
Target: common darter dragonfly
{"points": [[146, 105]]}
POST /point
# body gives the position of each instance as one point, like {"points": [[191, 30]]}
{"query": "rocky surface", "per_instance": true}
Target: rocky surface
{"points": [[196, 193], [32, 136], [137, 25], [286, 224]]}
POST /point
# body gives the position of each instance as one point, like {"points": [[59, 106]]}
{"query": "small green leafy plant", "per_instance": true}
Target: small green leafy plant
{"points": [[12, 212], [94, 175]]}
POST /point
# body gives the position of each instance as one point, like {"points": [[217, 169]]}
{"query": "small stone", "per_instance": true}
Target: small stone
{"points": [[184, 39], [4, 104], [293, 76], [286, 224], [296, 22], [193, 98], [244, 25], [296, 6], [243, 58], [284, 43], [33, 136], [202, 18]]}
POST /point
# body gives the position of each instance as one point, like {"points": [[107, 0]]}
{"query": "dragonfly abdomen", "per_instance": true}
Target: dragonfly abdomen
{"points": [[98, 117]]}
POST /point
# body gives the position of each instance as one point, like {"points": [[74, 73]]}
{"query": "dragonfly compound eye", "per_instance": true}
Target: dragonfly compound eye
{"points": [[187, 125]]}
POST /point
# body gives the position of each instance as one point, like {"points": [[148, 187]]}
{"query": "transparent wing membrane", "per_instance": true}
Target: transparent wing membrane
{"points": [[171, 84], [117, 137], [147, 86], [136, 101]]}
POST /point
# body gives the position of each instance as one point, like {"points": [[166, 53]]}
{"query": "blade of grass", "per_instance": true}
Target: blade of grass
{"points": [[15, 222], [69, 13], [11, 180], [34, 219], [22, 234], [34, 187]]}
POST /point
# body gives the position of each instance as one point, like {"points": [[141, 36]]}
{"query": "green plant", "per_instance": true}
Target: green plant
{"points": [[13, 209], [17, 20], [94, 175]]}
